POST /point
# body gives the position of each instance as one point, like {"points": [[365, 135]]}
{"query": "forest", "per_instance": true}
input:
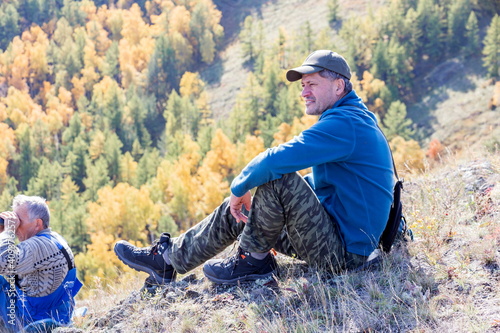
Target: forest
{"points": [[104, 113]]}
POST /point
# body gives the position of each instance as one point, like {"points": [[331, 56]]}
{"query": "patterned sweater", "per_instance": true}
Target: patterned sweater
{"points": [[40, 266]]}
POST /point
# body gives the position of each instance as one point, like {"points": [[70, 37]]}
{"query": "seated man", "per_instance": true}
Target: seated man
{"points": [[331, 218], [38, 281]]}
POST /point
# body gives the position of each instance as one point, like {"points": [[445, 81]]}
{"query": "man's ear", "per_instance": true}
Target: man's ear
{"points": [[339, 90], [39, 224]]}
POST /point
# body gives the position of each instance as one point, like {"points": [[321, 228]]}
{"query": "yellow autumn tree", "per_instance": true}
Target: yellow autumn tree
{"points": [[184, 190], [213, 190], [96, 32], [179, 18], [3, 173], [20, 107], [17, 65], [373, 88], [177, 185], [219, 162], [286, 132], [283, 135], [37, 43], [92, 63], [247, 150], [7, 141], [96, 148], [408, 156], [136, 46], [128, 169], [222, 155], [58, 109], [159, 184], [114, 23], [192, 86], [78, 89], [122, 212]]}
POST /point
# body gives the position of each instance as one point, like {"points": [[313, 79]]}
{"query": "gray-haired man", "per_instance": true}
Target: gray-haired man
{"points": [[38, 281]]}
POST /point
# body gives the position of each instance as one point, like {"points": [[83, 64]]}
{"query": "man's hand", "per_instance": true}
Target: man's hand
{"points": [[237, 203]]}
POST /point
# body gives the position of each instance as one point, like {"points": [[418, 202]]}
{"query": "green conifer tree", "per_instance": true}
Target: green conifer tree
{"points": [[172, 114], [9, 192], [112, 153], [112, 64], [333, 10], [380, 62], [457, 19], [26, 163], [271, 85], [97, 177], [68, 216], [491, 50], [162, 74], [9, 24], [148, 165], [75, 162], [395, 122], [430, 18], [472, 34], [247, 39], [47, 182]]}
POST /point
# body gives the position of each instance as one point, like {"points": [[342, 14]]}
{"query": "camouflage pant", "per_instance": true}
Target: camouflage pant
{"points": [[285, 215]]}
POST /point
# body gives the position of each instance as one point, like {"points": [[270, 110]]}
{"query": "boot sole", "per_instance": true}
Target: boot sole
{"points": [[246, 278], [159, 279]]}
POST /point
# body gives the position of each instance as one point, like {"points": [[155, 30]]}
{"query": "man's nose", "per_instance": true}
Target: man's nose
{"points": [[305, 92]]}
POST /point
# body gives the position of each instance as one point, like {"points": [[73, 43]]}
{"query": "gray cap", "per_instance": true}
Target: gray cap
{"points": [[319, 60]]}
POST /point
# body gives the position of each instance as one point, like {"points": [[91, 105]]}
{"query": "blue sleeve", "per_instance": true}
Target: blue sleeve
{"points": [[330, 139]]}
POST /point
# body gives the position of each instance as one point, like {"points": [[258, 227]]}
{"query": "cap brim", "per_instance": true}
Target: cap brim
{"points": [[296, 73]]}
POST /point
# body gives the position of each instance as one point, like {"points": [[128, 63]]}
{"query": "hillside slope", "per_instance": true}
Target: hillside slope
{"points": [[228, 75], [446, 280], [456, 108]]}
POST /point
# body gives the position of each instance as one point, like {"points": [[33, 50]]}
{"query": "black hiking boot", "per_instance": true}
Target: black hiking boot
{"points": [[239, 268], [148, 259]]}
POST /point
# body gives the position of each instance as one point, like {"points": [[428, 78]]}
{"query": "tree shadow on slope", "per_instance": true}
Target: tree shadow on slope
{"points": [[234, 13], [455, 74]]}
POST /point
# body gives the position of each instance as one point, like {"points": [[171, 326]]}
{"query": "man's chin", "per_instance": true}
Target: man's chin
{"points": [[312, 112]]}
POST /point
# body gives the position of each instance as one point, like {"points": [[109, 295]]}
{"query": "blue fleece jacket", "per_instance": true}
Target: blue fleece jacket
{"points": [[352, 172]]}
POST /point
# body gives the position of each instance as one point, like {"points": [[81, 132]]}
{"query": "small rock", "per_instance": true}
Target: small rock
{"points": [[189, 278], [192, 294]]}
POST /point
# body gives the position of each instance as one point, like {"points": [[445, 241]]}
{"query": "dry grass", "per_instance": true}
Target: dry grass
{"points": [[446, 280]]}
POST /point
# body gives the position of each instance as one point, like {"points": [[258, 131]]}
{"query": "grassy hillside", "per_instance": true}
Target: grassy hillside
{"points": [[446, 280]]}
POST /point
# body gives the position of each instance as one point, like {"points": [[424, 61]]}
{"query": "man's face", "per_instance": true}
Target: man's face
{"points": [[319, 93], [27, 228]]}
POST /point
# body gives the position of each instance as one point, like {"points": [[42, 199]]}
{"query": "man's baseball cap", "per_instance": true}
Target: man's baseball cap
{"points": [[319, 60]]}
